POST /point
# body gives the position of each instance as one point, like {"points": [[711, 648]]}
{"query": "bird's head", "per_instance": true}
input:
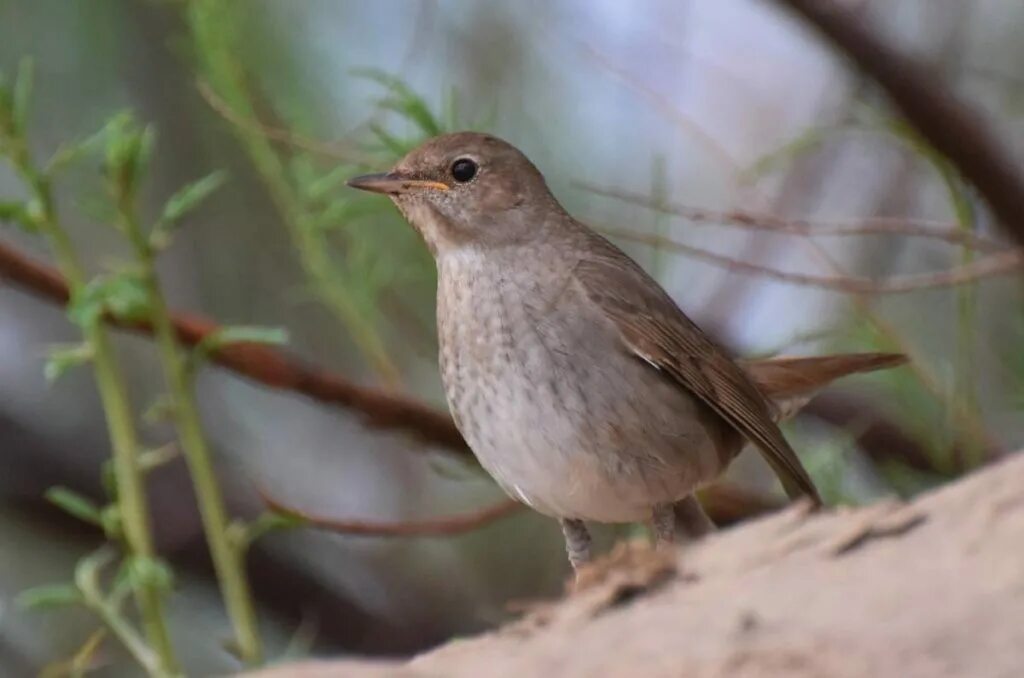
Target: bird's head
{"points": [[466, 189]]}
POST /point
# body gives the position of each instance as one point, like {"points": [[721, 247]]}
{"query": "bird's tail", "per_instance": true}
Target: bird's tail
{"points": [[790, 383]]}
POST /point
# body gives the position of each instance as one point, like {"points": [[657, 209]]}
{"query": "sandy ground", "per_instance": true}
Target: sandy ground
{"points": [[929, 589]]}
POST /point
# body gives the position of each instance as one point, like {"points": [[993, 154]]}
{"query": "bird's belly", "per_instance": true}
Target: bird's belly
{"points": [[577, 435]]}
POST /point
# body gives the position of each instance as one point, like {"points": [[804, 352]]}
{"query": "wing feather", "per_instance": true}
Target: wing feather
{"points": [[653, 328]]}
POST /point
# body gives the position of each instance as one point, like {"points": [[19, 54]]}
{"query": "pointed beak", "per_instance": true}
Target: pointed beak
{"points": [[393, 184]]}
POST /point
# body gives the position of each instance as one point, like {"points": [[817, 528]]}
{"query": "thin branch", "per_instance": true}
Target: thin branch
{"points": [[715, 148], [942, 118], [270, 367], [757, 221], [338, 150], [992, 265], [447, 526]]}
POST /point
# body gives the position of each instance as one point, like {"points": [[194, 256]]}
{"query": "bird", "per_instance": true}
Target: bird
{"points": [[578, 383]]}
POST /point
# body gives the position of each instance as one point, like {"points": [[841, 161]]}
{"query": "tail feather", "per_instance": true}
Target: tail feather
{"points": [[789, 383]]}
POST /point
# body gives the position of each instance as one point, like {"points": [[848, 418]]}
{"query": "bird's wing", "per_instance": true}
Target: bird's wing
{"points": [[654, 329]]}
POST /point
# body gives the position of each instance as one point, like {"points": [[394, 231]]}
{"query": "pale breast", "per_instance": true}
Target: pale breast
{"points": [[552, 406]]}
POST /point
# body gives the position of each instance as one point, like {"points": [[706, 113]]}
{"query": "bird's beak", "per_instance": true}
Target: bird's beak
{"points": [[393, 184]]}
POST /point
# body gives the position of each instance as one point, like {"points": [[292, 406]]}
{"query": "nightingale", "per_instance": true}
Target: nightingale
{"points": [[577, 382]]}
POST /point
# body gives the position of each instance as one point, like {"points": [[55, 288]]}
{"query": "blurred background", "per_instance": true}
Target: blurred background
{"points": [[667, 123]]}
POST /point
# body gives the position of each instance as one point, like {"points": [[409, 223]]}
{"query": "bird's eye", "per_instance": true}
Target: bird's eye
{"points": [[463, 170]]}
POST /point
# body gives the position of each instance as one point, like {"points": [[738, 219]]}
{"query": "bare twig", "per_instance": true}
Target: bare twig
{"points": [[988, 266], [447, 526], [931, 106], [338, 150], [757, 221]]}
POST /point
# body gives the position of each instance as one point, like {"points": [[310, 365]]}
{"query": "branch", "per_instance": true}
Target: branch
{"points": [[273, 368], [758, 221], [448, 526], [946, 122], [337, 150], [991, 265]]}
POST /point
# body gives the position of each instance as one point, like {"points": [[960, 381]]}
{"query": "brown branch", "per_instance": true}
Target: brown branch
{"points": [[1002, 263], [756, 221], [946, 122], [271, 367], [447, 526]]}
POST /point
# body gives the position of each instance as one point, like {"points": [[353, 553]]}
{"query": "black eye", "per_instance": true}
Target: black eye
{"points": [[463, 170]]}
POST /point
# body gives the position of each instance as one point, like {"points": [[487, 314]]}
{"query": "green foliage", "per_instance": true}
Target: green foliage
{"points": [[229, 335], [121, 294], [240, 334], [63, 358], [48, 597], [17, 213], [22, 95], [148, 571], [181, 204], [74, 504], [129, 147], [401, 99]]}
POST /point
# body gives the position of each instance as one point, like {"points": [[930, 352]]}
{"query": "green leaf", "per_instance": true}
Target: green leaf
{"points": [[403, 100], [162, 409], [17, 213], [74, 503], [48, 596], [183, 202], [22, 96], [156, 457], [390, 142], [243, 535], [108, 478], [342, 212], [129, 146], [63, 358], [66, 154], [110, 520], [6, 120], [88, 568], [321, 187], [124, 295], [238, 334], [153, 572]]}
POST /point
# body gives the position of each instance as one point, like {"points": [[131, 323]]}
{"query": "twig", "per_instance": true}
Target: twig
{"points": [[329, 149], [133, 508], [756, 221], [432, 527], [931, 106], [991, 265], [273, 368], [228, 562]]}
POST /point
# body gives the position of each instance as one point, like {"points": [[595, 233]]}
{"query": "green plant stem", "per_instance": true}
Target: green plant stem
{"points": [[228, 561], [131, 494], [210, 22], [965, 385], [107, 610]]}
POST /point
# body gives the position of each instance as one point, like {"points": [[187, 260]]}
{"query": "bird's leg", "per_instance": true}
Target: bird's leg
{"points": [[663, 520], [577, 542], [691, 521]]}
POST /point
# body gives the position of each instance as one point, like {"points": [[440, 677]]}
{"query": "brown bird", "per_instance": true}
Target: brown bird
{"points": [[576, 380]]}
